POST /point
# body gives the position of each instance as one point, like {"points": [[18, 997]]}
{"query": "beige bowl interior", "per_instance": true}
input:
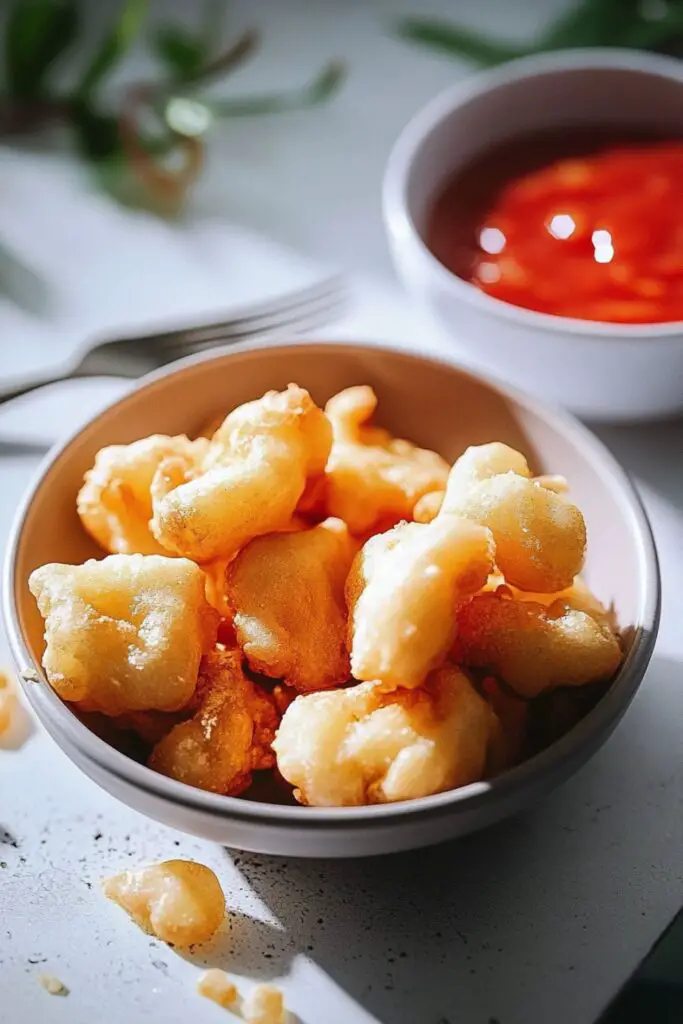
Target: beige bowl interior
{"points": [[435, 404]]}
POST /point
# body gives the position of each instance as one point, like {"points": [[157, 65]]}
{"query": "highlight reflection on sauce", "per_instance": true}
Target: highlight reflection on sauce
{"points": [[577, 224]]}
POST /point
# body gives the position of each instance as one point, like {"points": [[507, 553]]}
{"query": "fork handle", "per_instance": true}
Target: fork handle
{"points": [[19, 386]]}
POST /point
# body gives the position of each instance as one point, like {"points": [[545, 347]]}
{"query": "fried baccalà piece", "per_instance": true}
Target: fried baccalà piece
{"points": [[115, 501], [534, 647], [286, 597], [362, 745], [372, 477], [403, 591], [540, 536], [125, 633], [578, 596], [429, 505], [228, 737], [254, 473]]}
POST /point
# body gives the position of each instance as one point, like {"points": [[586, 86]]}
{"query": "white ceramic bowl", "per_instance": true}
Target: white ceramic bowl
{"points": [[598, 370], [438, 405]]}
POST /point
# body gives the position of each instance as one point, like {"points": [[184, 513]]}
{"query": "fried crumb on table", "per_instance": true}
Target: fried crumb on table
{"points": [[8, 699], [264, 1005], [53, 985], [179, 901], [214, 984]]}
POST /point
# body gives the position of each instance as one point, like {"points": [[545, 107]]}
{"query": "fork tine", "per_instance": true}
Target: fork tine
{"points": [[326, 308], [250, 317], [298, 326]]}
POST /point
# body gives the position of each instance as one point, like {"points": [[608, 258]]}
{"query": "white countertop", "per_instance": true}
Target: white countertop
{"points": [[537, 920]]}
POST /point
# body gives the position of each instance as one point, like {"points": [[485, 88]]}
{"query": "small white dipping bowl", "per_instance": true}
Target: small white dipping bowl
{"points": [[438, 405], [600, 371]]}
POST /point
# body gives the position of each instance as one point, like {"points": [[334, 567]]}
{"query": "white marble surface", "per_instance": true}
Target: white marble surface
{"points": [[538, 920]]}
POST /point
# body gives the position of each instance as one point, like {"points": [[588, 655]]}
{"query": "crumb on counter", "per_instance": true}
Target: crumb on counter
{"points": [[264, 1005], [7, 702], [53, 985], [179, 901], [214, 984]]}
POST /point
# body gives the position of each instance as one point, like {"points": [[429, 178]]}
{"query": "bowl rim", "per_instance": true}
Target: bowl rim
{"points": [[585, 737], [401, 226]]}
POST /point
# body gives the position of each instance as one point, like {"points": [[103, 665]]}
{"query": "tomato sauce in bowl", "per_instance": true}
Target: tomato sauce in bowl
{"points": [[577, 222]]}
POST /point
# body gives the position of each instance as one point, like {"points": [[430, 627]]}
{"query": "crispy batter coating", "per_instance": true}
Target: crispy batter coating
{"points": [[371, 476], [577, 596], [151, 726], [361, 745], [228, 737], [403, 591], [215, 586], [286, 595], [125, 633], [533, 647], [179, 901], [428, 507], [507, 743], [115, 503], [540, 536], [250, 481]]}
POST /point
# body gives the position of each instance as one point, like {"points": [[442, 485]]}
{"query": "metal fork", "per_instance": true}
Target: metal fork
{"points": [[131, 357]]}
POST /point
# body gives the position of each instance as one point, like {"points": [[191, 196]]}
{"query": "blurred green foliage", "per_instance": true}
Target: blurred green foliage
{"points": [[634, 24], [156, 164]]}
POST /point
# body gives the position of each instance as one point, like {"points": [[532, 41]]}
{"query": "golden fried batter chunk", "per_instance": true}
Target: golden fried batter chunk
{"points": [[115, 503], [371, 476], [403, 591], [533, 647], [228, 737], [151, 726], [540, 536], [179, 901], [254, 473], [361, 745], [215, 586], [125, 633], [507, 743], [577, 596], [286, 596], [428, 507]]}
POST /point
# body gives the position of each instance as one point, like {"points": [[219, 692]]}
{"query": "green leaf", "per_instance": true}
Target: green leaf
{"points": [[456, 41], [591, 23], [97, 135], [113, 47], [316, 92], [183, 55], [621, 23], [37, 32]]}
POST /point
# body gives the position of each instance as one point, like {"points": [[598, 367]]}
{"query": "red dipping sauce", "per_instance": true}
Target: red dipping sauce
{"points": [[578, 223]]}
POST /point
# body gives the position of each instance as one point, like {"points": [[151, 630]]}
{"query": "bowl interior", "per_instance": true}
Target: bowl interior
{"points": [[435, 404], [536, 94]]}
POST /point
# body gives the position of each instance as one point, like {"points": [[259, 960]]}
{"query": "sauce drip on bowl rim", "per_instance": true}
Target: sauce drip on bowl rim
{"points": [[579, 223]]}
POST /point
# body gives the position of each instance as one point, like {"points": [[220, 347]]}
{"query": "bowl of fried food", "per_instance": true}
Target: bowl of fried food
{"points": [[330, 599]]}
